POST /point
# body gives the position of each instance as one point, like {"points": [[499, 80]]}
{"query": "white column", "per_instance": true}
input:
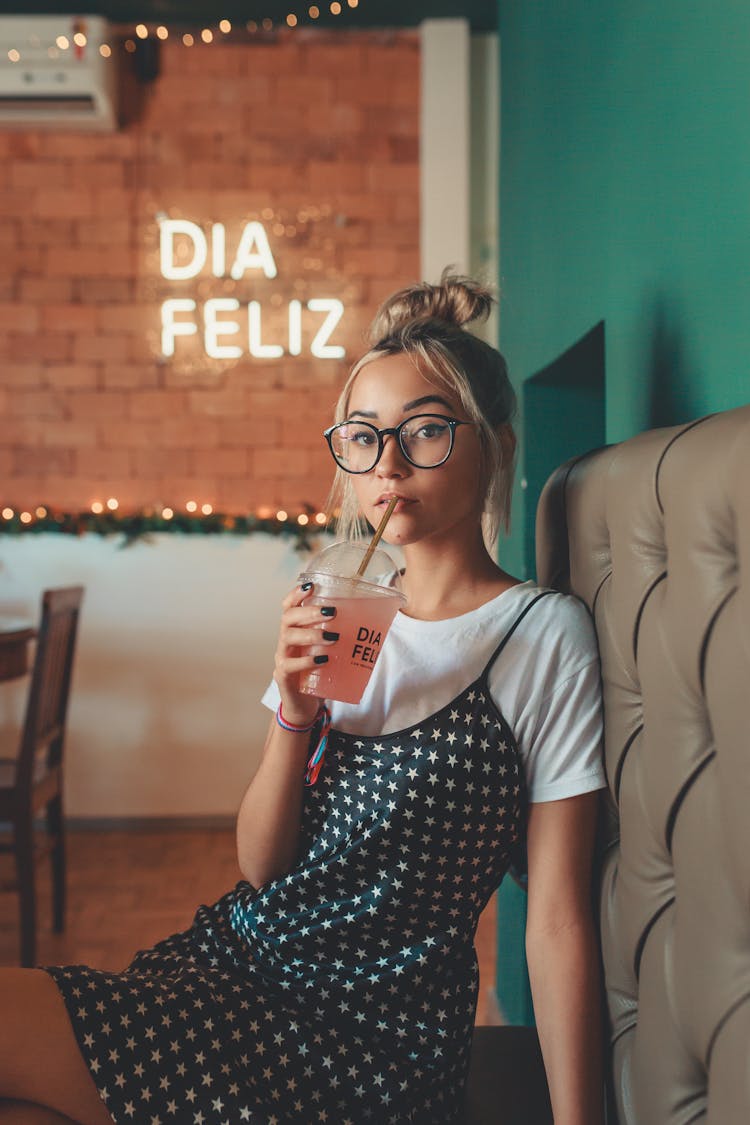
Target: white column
{"points": [[460, 153], [445, 132]]}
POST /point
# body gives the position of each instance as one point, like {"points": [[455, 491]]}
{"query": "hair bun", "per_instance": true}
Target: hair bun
{"points": [[455, 300]]}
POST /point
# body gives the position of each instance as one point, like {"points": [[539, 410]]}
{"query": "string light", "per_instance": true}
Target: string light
{"points": [[207, 509], [191, 506], [97, 507], [281, 515], [207, 34], [8, 513], [113, 504], [25, 517]]}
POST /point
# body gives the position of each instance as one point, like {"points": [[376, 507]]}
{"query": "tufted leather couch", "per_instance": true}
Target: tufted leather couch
{"points": [[653, 535]]}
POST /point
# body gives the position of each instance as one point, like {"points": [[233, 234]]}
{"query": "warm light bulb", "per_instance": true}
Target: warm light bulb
{"points": [[291, 20], [320, 518], [113, 504], [166, 513], [207, 35], [281, 515], [25, 517], [105, 51], [335, 8], [206, 509], [191, 506], [41, 513], [63, 42], [225, 26], [7, 513], [80, 39], [162, 32], [314, 12], [302, 520], [130, 46], [187, 39], [14, 55], [97, 507], [141, 31]]}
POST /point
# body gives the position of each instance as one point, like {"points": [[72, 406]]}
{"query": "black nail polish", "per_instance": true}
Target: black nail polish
{"points": [[306, 586], [330, 636], [320, 660], [328, 611]]}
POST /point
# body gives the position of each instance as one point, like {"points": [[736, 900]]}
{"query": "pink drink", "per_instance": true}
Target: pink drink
{"points": [[364, 613]]}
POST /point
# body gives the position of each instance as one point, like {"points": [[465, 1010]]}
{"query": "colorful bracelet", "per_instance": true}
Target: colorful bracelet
{"points": [[292, 727]]}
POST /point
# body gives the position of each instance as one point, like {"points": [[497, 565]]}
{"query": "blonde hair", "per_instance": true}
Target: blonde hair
{"points": [[426, 322]]}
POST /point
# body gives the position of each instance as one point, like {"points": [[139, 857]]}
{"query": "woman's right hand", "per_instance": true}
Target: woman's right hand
{"points": [[302, 625]]}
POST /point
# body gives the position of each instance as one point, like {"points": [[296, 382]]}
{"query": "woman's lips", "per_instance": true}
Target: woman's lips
{"points": [[402, 502]]}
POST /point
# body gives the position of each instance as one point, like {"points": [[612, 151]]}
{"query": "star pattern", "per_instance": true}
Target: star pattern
{"points": [[345, 991]]}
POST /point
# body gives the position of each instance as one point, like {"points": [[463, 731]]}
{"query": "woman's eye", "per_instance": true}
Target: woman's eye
{"points": [[429, 430], [362, 437]]}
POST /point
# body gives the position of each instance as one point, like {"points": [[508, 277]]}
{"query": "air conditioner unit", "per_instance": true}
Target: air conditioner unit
{"points": [[53, 74]]}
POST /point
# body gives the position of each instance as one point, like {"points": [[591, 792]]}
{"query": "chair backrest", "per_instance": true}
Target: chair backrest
{"points": [[47, 704], [654, 535]]}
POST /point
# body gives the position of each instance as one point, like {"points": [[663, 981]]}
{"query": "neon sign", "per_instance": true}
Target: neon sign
{"points": [[221, 318]]}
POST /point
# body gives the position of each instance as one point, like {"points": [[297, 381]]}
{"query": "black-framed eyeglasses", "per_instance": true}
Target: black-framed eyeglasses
{"points": [[426, 441]]}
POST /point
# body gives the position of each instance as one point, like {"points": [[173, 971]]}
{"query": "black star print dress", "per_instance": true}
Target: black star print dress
{"points": [[345, 991]]}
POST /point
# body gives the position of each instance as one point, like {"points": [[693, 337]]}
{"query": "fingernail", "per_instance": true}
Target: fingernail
{"points": [[306, 586], [330, 636], [328, 611], [320, 660]]}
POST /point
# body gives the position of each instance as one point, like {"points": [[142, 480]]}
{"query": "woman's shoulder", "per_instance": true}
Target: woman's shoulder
{"points": [[560, 622]]}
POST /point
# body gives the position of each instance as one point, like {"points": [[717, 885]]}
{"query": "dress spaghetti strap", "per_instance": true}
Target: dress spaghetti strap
{"points": [[511, 631]]}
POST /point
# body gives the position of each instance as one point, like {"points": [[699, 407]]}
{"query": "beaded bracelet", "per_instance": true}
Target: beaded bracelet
{"points": [[286, 725]]}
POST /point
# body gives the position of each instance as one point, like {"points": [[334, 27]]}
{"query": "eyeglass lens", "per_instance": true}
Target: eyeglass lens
{"points": [[426, 441]]}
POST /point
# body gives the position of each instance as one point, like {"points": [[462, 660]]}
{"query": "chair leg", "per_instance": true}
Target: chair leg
{"points": [[56, 829], [24, 848]]}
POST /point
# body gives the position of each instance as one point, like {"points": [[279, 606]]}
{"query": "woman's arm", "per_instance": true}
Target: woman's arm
{"points": [[563, 956], [268, 823]]}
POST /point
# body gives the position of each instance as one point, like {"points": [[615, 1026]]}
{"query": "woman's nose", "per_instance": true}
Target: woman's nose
{"points": [[392, 461]]}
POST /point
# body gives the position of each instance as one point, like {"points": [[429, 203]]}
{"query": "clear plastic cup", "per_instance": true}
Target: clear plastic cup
{"points": [[365, 608]]}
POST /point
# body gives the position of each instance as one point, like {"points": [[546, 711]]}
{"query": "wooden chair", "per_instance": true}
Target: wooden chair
{"points": [[31, 781]]}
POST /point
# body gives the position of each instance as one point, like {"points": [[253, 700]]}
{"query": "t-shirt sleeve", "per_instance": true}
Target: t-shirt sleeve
{"points": [[271, 697], [565, 751]]}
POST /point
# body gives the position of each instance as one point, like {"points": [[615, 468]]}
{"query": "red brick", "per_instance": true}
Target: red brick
{"points": [[122, 376], [156, 462], [35, 462], [103, 464], [280, 463], [57, 348], [27, 175], [96, 405], [68, 318], [191, 433], [50, 204], [40, 290], [220, 462], [72, 435], [156, 405], [18, 317], [101, 348], [74, 376], [131, 434]]}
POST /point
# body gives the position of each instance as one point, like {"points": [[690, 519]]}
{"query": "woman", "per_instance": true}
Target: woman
{"points": [[343, 988]]}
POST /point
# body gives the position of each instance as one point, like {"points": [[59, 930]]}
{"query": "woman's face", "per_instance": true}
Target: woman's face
{"points": [[433, 503]]}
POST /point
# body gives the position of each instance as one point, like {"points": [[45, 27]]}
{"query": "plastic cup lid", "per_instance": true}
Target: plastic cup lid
{"points": [[343, 560]]}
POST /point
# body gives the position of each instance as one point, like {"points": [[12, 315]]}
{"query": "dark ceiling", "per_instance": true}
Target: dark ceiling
{"points": [[482, 14]]}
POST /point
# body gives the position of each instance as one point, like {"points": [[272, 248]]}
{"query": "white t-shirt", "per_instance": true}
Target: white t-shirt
{"points": [[545, 683]]}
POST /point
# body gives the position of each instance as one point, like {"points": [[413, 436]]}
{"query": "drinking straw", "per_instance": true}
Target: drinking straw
{"points": [[376, 537]]}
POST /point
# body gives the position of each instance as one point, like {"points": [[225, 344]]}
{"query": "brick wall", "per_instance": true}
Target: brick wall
{"points": [[313, 135]]}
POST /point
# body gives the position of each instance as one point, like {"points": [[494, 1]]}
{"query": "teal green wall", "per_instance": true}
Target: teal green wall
{"points": [[625, 198]]}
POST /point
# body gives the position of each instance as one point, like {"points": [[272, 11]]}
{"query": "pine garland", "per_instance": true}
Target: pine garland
{"points": [[135, 526]]}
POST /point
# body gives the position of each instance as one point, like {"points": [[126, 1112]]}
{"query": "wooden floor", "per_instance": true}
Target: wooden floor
{"points": [[128, 889]]}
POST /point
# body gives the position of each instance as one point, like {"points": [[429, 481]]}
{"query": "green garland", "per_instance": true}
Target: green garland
{"points": [[142, 525]]}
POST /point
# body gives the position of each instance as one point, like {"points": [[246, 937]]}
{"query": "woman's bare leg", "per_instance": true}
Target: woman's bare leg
{"points": [[39, 1057], [23, 1113]]}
